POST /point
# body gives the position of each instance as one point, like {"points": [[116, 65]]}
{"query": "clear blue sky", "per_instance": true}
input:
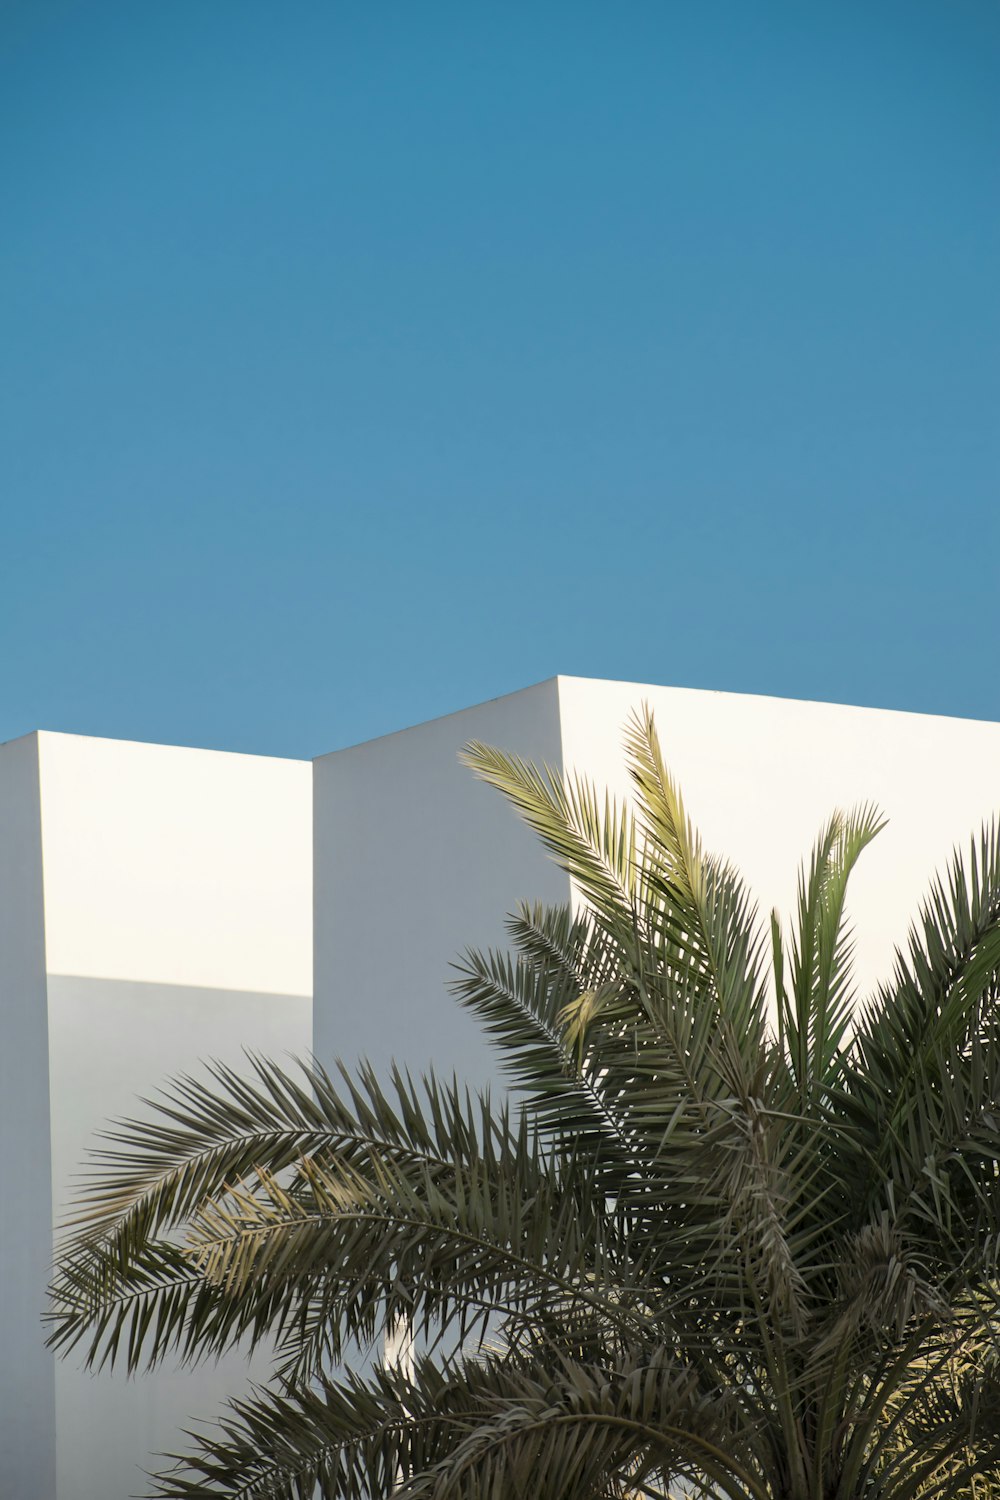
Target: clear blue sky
{"points": [[359, 361]]}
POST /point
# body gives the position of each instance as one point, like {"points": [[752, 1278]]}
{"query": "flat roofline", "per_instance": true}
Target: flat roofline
{"points": [[121, 740], [568, 677], [557, 678]]}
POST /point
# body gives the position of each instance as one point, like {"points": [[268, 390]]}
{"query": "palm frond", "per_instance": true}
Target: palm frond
{"points": [[467, 1431], [521, 1003], [926, 1043], [433, 1209], [816, 1015], [592, 839]]}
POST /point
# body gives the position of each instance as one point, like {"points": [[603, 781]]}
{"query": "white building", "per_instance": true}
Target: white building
{"points": [[407, 843], [156, 909]]}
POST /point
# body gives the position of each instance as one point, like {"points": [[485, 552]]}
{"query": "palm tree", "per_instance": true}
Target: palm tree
{"points": [[737, 1237]]}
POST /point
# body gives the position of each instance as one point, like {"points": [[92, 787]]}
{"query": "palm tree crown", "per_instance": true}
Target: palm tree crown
{"points": [[735, 1232]]}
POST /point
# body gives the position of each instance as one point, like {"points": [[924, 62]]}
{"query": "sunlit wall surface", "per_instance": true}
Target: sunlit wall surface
{"points": [[156, 911]]}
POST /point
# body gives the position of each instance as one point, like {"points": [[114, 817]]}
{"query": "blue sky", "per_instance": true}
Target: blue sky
{"points": [[362, 361]]}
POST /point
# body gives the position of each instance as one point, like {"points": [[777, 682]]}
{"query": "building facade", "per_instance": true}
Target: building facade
{"points": [[162, 906], [155, 910]]}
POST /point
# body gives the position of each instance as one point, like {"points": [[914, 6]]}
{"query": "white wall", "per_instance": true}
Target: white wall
{"points": [[177, 866], [177, 910], [112, 1041], [414, 861], [761, 775], [27, 1395]]}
